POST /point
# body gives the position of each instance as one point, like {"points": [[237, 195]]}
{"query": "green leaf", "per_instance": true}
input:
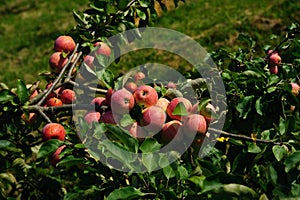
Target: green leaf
{"points": [[70, 161], [6, 145], [258, 106], [273, 174], [128, 192], [244, 107], [279, 152], [141, 14], [126, 120], [49, 147], [180, 110], [203, 103], [150, 161], [282, 126], [150, 145], [253, 148], [144, 3], [292, 161], [183, 172], [168, 172], [22, 91], [7, 96]]}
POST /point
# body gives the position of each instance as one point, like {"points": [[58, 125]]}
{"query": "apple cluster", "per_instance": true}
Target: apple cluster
{"points": [[274, 61]]}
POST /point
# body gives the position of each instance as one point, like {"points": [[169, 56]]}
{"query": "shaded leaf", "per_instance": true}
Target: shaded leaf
{"points": [[128, 192], [49, 147], [292, 161], [279, 152]]}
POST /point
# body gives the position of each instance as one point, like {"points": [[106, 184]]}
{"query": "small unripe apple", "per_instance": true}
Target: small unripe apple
{"points": [[53, 101], [145, 96], [274, 58], [131, 86], [172, 105], [170, 130], [122, 101], [68, 96], [53, 131], [163, 103], [139, 76], [194, 123], [65, 44], [89, 61], [102, 49], [92, 117], [57, 62], [153, 119], [295, 89], [55, 157]]}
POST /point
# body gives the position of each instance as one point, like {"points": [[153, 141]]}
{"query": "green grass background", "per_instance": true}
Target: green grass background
{"points": [[28, 29]]}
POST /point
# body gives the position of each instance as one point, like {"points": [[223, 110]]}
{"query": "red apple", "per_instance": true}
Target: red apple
{"points": [[68, 96], [171, 85], [30, 118], [53, 131], [145, 96], [53, 101], [122, 101], [131, 86], [55, 157], [136, 131], [172, 105], [139, 76], [153, 119], [274, 58], [102, 49], [57, 62], [33, 94], [98, 101], [295, 89], [89, 61], [110, 118], [273, 69], [92, 116], [163, 103], [170, 130], [65, 44], [207, 112], [194, 123], [108, 95]]}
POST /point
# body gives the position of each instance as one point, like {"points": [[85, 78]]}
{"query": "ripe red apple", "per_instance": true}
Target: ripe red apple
{"points": [[53, 131], [136, 131], [207, 112], [65, 44], [55, 157], [194, 123], [122, 101], [110, 118], [172, 105], [170, 130], [153, 119], [57, 62], [68, 96], [273, 69], [274, 58], [102, 49], [139, 76], [33, 94], [131, 86], [92, 116], [89, 61], [30, 118], [295, 89], [108, 95], [163, 103], [98, 101], [171, 85], [53, 101], [145, 96]]}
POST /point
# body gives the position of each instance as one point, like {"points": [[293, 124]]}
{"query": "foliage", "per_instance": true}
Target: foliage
{"points": [[256, 157]]}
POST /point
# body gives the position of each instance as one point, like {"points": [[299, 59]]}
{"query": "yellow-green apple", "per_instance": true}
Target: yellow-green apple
{"points": [[53, 101], [194, 123], [163, 103], [68, 96], [53, 131], [170, 130], [145, 96], [139, 76], [295, 89], [92, 116], [122, 101], [131, 86], [57, 61], [55, 157], [102, 49], [64, 43], [172, 105], [153, 119]]}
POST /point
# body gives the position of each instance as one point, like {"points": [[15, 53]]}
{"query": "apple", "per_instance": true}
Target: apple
{"points": [[145, 96], [53, 101], [55, 157], [170, 130], [102, 49], [153, 119], [171, 85], [30, 118], [110, 118], [98, 101], [65, 44], [273, 69], [108, 95], [92, 116], [295, 89], [139, 76], [163, 103], [274, 58], [172, 105], [57, 62], [131, 86], [68, 96], [89, 61], [33, 94], [206, 112], [53, 131], [194, 123], [292, 108], [122, 101], [136, 131]]}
